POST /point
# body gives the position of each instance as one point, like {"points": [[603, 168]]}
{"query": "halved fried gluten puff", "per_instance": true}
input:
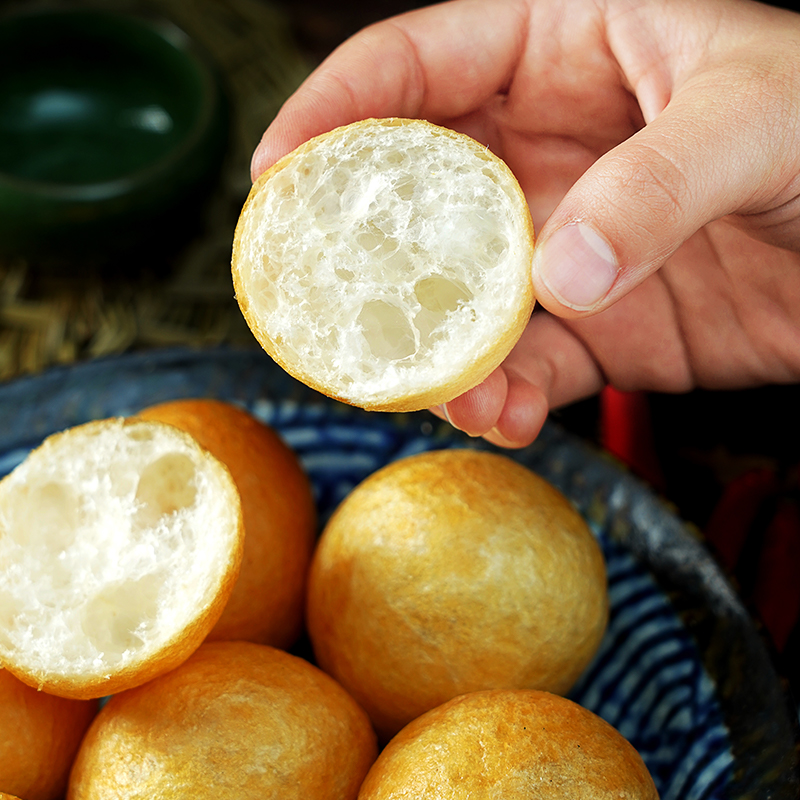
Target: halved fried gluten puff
{"points": [[120, 541], [386, 263]]}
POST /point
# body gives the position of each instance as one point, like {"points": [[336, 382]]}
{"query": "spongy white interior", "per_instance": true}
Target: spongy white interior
{"points": [[109, 542], [376, 261]]}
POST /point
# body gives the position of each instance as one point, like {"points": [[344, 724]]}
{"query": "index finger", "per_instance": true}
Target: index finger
{"points": [[437, 63]]}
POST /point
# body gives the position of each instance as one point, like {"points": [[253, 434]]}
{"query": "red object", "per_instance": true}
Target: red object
{"points": [[755, 533], [627, 433], [736, 511], [776, 593]]}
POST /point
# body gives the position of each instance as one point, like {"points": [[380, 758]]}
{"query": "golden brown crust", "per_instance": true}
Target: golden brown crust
{"points": [[39, 737], [453, 571], [279, 516], [236, 716], [517, 744]]}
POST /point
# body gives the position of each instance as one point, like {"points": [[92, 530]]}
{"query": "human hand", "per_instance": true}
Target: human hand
{"points": [[657, 144]]}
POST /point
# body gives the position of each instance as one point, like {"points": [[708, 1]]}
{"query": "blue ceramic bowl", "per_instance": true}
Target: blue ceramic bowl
{"points": [[113, 129]]}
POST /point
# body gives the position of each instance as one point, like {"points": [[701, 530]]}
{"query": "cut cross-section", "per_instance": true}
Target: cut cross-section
{"points": [[120, 542], [386, 263]]}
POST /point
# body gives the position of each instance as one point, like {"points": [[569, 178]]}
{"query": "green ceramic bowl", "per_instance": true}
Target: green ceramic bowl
{"points": [[113, 129]]}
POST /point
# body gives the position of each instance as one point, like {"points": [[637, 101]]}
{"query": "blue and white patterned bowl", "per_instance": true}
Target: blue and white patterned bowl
{"points": [[682, 671]]}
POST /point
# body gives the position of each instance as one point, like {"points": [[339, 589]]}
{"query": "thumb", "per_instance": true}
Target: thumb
{"points": [[704, 157]]}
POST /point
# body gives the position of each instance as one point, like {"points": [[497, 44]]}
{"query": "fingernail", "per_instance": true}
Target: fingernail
{"points": [[447, 416], [577, 265], [446, 413], [497, 438]]}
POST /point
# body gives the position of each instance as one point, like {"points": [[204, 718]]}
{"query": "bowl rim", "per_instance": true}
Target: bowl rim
{"points": [[211, 96]]}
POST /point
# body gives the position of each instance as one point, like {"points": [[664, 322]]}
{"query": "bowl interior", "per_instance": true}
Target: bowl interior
{"points": [[89, 97]]}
